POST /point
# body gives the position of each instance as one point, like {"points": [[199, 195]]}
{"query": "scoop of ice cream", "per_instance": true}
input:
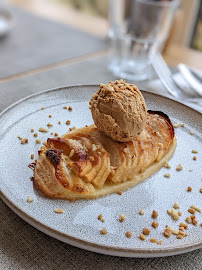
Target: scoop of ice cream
{"points": [[119, 110]]}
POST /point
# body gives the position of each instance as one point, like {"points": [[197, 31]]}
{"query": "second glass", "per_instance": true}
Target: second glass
{"points": [[138, 28]]}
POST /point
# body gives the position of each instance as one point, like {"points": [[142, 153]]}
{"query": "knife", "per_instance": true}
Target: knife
{"points": [[191, 79]]}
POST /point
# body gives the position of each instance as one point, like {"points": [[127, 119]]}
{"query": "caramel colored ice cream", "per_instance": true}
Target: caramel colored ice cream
{"points": [[119, 110]]}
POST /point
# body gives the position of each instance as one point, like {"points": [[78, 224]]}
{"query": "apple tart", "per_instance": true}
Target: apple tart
{"points": [[87, 164]]}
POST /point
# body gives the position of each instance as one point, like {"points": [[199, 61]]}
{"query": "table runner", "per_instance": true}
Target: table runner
{"points": [[36, 42], [24, 247]]}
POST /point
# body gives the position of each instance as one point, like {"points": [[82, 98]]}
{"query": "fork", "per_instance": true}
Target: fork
{"points": [[166, 77]]}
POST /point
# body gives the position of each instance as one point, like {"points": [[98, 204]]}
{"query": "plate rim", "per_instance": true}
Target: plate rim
{"points": [[85, 85], [85, 244], [98, 248]]}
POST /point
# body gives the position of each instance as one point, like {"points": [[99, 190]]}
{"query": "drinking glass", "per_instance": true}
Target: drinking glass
{"points": [[137, 29]]}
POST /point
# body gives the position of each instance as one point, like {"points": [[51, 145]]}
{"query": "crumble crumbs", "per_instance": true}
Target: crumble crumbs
{"points": [[176, 125], [155, 214], [169, 211], [146, 231], [141, 212], [129, 234], [181, 233], [173, 231], [155, 224], [191, 211], [142, 236], [100, 217], [174, 214], [188, 220], [24, 141], [122, 218], [153, 240], [196, 208], [68, 122], [167, 175], [167, 165], [159, 242], [179, 167], [70, 108], [194, 221], [59, 211], [176, 205], [189, 189], [167, 232], [184, 225], [41, 129], [30, 199], [103, 231]]}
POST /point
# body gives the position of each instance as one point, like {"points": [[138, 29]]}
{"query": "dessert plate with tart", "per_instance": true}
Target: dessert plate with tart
{"points": [[91, 183]]}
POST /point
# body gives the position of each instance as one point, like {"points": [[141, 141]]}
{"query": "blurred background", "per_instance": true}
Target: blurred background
{"points": [[92, 16]]}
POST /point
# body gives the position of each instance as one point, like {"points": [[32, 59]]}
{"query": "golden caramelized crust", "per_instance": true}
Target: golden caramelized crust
{"points": [[85, 163]]}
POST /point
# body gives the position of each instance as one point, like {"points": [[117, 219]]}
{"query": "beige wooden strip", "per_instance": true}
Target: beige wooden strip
{"points": [[56, 65]]}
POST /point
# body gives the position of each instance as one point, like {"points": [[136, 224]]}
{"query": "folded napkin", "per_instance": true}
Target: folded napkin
{"points": [[157, 87]]}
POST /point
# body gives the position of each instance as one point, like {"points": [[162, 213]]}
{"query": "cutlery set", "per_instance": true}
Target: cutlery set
{"points": [[188, 88]]}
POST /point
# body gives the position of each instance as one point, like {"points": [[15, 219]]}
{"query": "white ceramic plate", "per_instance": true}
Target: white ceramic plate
{"points": [[78, 225]]}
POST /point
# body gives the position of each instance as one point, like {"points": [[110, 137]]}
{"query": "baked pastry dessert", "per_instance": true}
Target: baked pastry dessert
{"points": [[87, 164]]}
